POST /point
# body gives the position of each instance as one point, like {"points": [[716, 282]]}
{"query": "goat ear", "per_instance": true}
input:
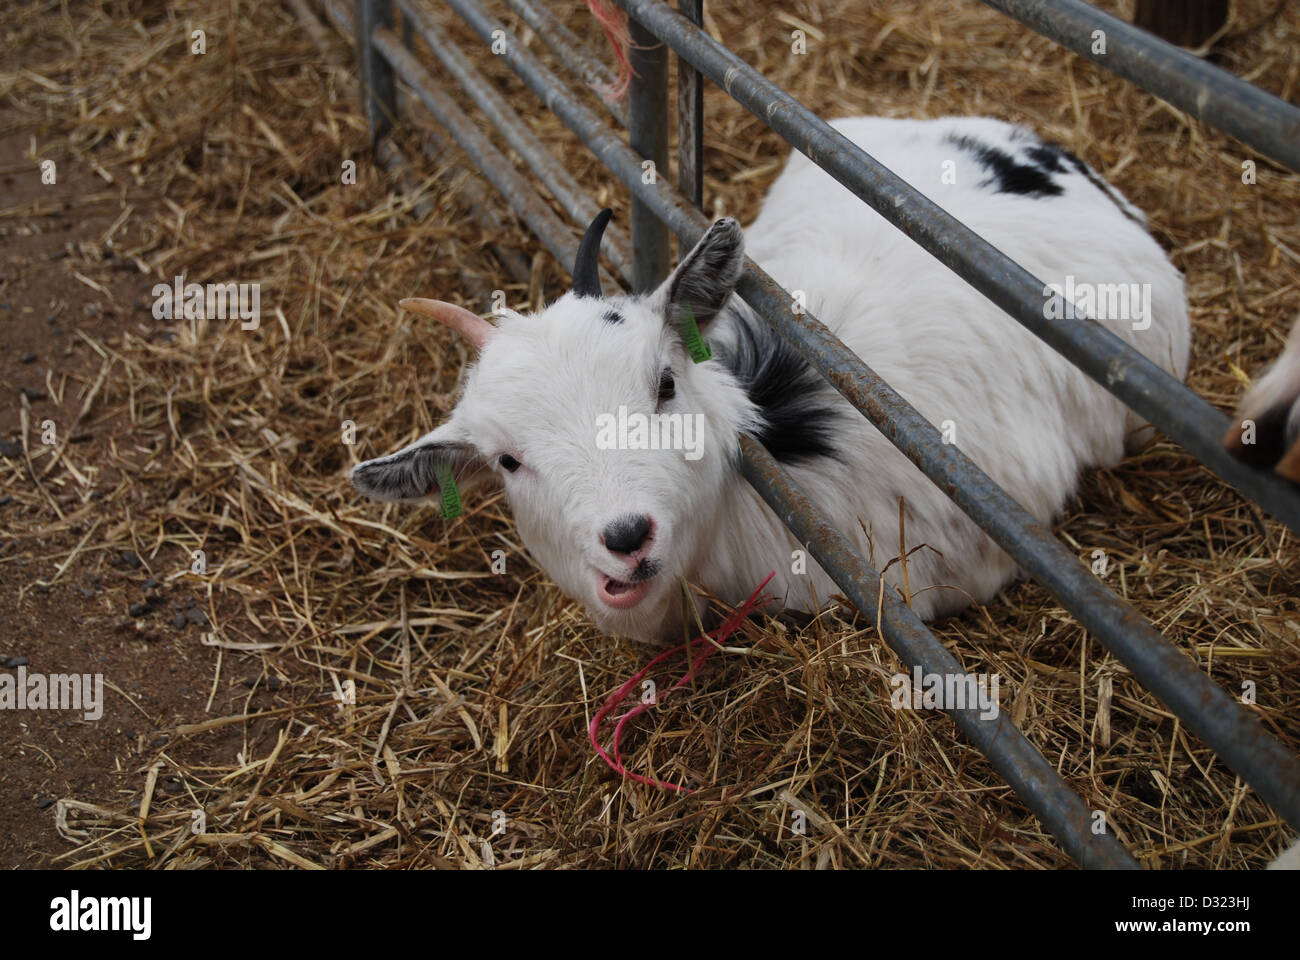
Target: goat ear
{"points": [[706, 277], [412, 473], [1266, 430]]}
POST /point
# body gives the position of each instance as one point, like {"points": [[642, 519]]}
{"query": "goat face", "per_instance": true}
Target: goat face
{"points": [[571, 407]]}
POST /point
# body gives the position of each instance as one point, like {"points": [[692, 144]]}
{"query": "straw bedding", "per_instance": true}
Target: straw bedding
{"points": [[473, 688]]}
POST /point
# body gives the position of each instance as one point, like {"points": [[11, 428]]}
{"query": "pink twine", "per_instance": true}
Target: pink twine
{"points": [[720, 635], [614, 22]]}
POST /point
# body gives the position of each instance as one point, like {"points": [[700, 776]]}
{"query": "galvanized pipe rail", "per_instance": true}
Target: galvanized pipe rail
{"points": [[562, 185], [1182, 414], [555, 236], [562, 42], [1257, 119], [1227, 727]]}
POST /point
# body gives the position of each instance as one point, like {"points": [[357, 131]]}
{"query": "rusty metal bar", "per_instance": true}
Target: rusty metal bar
{"points": [[648, 127], [526, 201], [472, 193]]}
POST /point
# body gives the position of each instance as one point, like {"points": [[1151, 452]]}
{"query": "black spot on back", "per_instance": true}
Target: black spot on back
{"points": [[1034, 178], [1010, 175], [796, 403], [1049, 156], [612, 316]]}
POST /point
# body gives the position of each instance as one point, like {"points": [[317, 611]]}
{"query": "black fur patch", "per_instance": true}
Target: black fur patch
{"points": [[794, 400], [1049, 156], [1011, 176], [612, 316], [1095, 179]]}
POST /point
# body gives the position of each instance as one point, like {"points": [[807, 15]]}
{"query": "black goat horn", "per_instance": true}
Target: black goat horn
{"points": [[586, 269]]}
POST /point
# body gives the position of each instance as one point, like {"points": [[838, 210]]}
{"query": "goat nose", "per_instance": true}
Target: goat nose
{"points": [[626, 534]]}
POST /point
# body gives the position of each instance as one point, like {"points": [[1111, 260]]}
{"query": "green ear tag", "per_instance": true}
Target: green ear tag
{"points": [[695, 344], [450, 495]]}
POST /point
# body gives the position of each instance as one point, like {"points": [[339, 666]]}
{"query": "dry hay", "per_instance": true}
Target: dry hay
{"points": [[473, 689]]}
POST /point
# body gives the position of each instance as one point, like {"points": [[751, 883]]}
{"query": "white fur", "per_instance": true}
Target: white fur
{"points": [[1024, 414], [1289, 859], [1278, 386]]}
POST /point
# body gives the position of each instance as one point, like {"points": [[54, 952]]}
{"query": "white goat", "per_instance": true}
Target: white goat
{"points": [[616, 528]]}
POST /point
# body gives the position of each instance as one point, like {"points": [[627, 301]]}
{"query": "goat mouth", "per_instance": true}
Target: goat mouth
{"points": [[625, 594]]}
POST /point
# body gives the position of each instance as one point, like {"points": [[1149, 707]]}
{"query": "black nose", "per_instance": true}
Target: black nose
{"points": [[627, 534]]}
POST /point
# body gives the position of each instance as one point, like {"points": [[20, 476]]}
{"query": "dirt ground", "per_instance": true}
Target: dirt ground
{"points": [[78, 620], [222, 691]]}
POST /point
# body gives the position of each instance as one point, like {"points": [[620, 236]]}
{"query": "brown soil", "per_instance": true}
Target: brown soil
{"points": [[78, 621]]}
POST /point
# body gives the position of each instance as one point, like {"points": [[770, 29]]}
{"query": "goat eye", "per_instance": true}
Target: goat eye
{"points": [[509, 462], [667, 386]]}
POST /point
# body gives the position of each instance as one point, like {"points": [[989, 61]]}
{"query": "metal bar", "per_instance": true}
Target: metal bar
{"points": [[519, 135], [526, 201], [564, 43], [472, 192], [648, 129], [378, 96], [1157, 396], [1258, 119], [1015, 758], [386, 152], [1207, 710], [690, 117]]}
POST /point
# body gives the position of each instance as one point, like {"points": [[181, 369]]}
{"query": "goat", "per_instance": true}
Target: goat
{"points": [[1266, 430], [616, 527]]}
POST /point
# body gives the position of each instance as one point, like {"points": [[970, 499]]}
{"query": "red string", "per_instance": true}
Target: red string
{"points": [[614, 22], [720, 635]]}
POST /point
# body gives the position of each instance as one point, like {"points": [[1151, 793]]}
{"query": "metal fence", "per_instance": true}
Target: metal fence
{"points": [[1257, 119]]}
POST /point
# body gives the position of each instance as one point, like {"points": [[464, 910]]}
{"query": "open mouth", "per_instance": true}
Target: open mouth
{"points": [[625, 594]]}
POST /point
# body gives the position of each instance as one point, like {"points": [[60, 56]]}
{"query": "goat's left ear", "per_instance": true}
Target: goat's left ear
{"points": [[706, 277], [412, 472]]}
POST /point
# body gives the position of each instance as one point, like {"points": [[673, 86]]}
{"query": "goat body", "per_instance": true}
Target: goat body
{"points": [[615, 527]]}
